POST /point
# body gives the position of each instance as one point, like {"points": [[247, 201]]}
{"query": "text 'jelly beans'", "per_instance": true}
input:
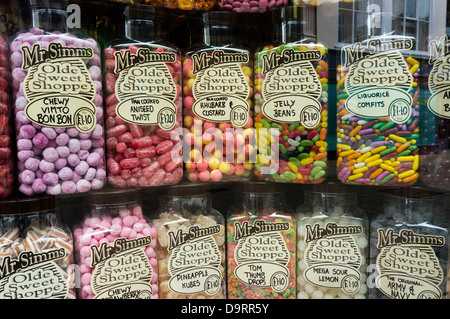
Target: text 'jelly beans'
{"points": [[409, 246], [291, 103], [115, 250], [143, 107], [217, 108], [378, 114], [7, 161], [58, 102], [332, 247], [36, 252], [191, 249], [261, 241]]}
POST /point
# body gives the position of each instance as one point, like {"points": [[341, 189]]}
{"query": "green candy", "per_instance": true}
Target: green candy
{"points": [[293, 126], [388, 151], [404, 153], [302, 156], [378, 125], [284, 178], [289, 175], [315, 138], [300, 148], [319, 175], [342, 96], [306, 143], [387, 126], [282, 148], [258, 167], [295, 161], [320, 163], [285, 137], [412, 148], [412, 137], [316, 170], [265, 123], [276, 125], [387, 179]]}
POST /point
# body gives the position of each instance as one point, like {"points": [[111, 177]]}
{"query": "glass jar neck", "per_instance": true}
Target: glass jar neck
{"points": [[144, 30], [260, 203], [219, 35], [290, 31], [328, 202], [190, 204], [50, 19]]}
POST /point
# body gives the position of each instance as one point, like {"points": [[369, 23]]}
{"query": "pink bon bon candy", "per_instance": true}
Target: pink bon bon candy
{"points": [[58, 106], [143, 122], [112, 238]]}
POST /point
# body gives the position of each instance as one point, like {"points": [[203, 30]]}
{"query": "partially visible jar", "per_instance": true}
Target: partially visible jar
{"points": [[143, 122], [261, 237], [256, 6], [7, 139], [58, 104], [435, 118], [36, 245], [291, 116], [115, 248], [409, 246], [10, 18], [217, 102], [184, 5], [191, 245], [332, 245]]}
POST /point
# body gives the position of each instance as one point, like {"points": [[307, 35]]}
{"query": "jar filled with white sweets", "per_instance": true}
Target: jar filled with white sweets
{"points": [[35, 251], [332, 245], [190, 246]]}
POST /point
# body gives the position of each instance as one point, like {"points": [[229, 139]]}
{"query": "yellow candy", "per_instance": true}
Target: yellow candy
{"points": [[378, 149], [360, 170], [224, 167], [372, 158], [406, 174], [363, 157], [346, 153], [293, 167], [353, 177], [415, 165], [397, 138], [298, 175], [406, 158], [214, 163], [375, 163], [307, 161], [387, 167]]}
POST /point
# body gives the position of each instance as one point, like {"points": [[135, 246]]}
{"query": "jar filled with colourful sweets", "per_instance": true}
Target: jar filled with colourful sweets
{"points": [[7, 149], [409, 246], [261, 241], [378, 112], [115, 248], [143, 115], [36, 251], [217, 105], [435, 118], [291, 100], [184, 5], [191, 245], [57, 82], [255, 6], [332, 245]]}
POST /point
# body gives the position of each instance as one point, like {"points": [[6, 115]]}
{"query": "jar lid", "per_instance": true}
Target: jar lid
{"points": [[23, 206], [220, 18], [57, 4], [185, 190], [304, 16], [412, 193], [113, 196], [331, 188], [259, 188], [145, 12]]}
